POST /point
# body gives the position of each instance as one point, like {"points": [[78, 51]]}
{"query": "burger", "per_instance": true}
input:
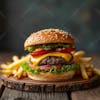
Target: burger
{"points": [[51, 55]]}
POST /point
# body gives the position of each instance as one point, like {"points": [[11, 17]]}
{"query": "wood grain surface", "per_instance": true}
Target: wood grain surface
{"points": [[27, 84], [91, 94], [9, 94]]}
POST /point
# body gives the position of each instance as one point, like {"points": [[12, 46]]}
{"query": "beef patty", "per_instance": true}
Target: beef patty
{"points": [[53, 60]]}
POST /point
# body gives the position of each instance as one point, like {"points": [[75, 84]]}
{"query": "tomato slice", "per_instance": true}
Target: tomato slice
{"points": [[48, 67], [39, 53], [66, 50]]}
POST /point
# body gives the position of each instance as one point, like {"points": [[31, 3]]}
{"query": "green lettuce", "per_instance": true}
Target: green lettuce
{"points": [[49, 46], [64, 68]]}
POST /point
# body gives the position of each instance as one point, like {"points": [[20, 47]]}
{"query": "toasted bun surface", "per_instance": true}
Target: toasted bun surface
{"points": [[63, 76], [48, 36]]}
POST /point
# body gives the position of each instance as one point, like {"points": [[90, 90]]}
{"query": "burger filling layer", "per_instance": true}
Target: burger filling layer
{"points": [[48, 68], [54, 58], [49, 46]]}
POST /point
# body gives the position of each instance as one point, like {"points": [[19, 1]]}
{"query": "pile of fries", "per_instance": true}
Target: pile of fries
{"points": [[86, 69], [15, 69]]}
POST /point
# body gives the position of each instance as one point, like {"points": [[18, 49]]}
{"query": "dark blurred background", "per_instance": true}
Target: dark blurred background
{"points": [[19, 18]]}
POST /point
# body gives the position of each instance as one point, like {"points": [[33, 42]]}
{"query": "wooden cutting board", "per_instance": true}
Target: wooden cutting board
{"points": [[26, 84]]}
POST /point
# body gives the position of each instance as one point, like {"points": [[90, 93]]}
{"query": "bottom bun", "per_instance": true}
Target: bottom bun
{"points": [[63, 76]]}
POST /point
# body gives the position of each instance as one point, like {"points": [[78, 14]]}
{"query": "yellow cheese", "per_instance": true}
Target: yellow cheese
{"points": [[66, 56]]}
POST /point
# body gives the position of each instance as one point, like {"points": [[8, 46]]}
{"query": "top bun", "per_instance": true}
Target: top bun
{"points": [[48, 36]]}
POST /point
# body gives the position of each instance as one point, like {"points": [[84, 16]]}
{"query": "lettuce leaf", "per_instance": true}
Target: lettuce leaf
{"points": [[37, 69], [49, 46]]}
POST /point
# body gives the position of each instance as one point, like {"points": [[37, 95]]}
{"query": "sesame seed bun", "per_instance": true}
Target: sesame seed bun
{"points": [[48, 36], [63, 76]]}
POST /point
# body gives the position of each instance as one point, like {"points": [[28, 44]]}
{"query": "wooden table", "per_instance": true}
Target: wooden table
{"points": [[9, 94]]}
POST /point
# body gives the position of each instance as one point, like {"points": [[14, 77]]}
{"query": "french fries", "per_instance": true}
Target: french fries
{"points": [[78, 57], [16, 64], [14, 72], [96, 71], [85, 59], [15, 68], [15, 58], [79, 53], [3, 66], [19, 73], [6, 72], [89, 65], [83, 72]]}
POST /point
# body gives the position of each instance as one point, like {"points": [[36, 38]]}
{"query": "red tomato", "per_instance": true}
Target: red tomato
{"points": [[66, 50], [39, 53], [48, 67]]}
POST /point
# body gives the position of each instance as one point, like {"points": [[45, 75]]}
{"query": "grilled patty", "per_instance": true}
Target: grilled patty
{"points": [[52, 60]]}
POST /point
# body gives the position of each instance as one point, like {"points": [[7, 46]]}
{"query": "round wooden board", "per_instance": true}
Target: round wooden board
{"points": [[26, 84]]}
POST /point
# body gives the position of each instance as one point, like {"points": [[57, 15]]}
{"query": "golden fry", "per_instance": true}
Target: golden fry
{"points": [[19, 73], [85, 59], [89, 66], [79, 53], [17, 64], [79, 59], [14, 72], [83, 71], [96, 71], [3, 66], [7, 72], [15, 58]]}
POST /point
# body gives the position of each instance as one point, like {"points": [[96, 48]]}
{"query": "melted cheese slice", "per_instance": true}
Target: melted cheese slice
{"points": [[66, 56]]}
